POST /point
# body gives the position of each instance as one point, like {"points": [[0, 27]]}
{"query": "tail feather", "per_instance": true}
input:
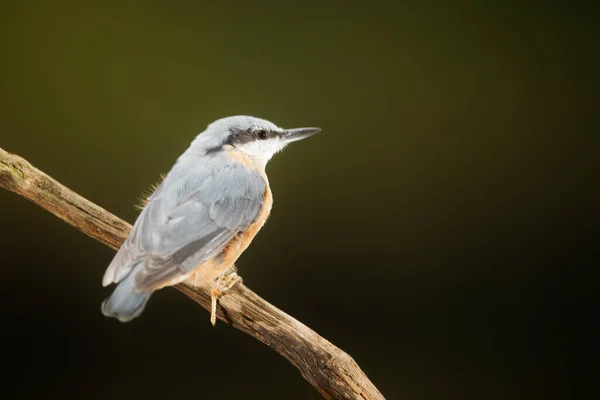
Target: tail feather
{"points": [[125, 303]]}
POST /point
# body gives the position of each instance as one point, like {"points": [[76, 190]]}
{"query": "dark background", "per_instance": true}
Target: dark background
{"points": [[439, 229]]}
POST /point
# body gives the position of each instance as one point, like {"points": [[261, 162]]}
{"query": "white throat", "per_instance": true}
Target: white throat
{"points": [[260, 152]]}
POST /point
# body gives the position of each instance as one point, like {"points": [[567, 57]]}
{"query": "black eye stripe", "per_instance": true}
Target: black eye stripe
{"points": [[241, 137], [268, 134]]}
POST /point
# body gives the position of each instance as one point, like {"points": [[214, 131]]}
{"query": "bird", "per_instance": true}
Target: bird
{"points": [[201, 217]]}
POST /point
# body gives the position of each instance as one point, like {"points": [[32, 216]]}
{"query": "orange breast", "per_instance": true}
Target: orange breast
{"points": [[232, 251]]}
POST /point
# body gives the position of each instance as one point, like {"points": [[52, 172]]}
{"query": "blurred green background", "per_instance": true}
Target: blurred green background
{"points": [[439, 229]]}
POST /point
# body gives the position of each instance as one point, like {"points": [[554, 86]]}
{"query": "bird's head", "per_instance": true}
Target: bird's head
{"points": [[257, 138]]}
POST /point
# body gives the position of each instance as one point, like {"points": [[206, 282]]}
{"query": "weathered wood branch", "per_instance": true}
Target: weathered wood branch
{"points": [[330, 370]]}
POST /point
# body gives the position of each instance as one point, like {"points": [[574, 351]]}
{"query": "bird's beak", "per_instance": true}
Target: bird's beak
{"points": [[293, 135]]}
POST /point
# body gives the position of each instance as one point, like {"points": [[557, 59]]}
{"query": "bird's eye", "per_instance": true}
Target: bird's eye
{"points": [[261, 134]]}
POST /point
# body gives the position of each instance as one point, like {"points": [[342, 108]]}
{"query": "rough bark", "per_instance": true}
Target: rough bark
{"points": [[330, 370]]}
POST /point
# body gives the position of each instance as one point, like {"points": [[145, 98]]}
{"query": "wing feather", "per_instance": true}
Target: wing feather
{"points": [[176, 233]]}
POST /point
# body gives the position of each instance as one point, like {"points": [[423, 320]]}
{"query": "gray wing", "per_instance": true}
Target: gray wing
{"points": [[173, 237]]}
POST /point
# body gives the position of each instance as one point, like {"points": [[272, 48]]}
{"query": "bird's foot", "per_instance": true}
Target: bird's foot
{"points": [[219, 286]]}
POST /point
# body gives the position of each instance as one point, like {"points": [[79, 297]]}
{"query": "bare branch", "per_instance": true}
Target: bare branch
{"points": [[330, 370]]}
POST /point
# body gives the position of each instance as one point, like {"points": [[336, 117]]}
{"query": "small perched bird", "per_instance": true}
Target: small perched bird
{"points": [[201, 217]]}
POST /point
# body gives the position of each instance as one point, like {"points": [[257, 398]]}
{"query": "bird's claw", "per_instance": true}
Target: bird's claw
{"points": [[219, 286]]}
